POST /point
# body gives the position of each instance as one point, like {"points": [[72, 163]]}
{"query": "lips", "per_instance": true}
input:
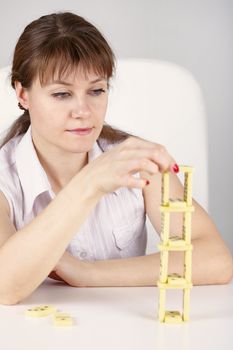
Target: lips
{"points": [[81, 131]]}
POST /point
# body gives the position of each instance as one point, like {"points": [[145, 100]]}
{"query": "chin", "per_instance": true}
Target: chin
{"points": [[82, 147]]}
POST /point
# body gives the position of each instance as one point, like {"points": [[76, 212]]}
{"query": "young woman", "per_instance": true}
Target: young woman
{"points": [[74, 192]]}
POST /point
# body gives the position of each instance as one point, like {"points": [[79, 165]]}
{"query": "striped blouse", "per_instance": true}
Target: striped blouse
{"points": [[116, 227]]}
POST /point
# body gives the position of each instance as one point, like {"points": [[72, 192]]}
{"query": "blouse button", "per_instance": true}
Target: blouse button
{"points": [[83, 255]]}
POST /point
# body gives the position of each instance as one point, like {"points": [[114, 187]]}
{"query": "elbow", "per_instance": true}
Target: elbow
{"points": [[224, 273], [9, 297], [9, 300], [227, 275], [215, 263]]}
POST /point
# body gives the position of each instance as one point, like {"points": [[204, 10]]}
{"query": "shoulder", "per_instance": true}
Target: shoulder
{"points": [[7, 153], [9, 181], [8, 170], [9, 189]]}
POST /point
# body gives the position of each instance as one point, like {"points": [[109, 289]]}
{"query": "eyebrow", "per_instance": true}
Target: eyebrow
{"points": [[69, 84]]}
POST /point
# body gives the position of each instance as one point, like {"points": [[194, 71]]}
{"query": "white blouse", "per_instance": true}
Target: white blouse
{"points": [[116, 227]]}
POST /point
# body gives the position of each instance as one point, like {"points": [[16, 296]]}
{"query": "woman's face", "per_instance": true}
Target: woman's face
{"points": [[60, 106]]}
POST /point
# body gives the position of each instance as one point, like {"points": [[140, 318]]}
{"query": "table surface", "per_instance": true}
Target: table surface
{"points": [[119, 318]]}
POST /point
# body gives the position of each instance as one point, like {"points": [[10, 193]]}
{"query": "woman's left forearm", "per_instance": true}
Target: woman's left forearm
{"points": [[211, 264]]}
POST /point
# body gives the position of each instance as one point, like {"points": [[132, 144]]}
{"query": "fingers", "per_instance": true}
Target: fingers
{"points": [[132, 182], [136, 143], [117, 166], [141, 164], [163, 159], [148, 153]]}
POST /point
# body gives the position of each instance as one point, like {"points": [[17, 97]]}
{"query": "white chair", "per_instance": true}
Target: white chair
{"points": [[153, 99], [9, 110], [162, 102]]}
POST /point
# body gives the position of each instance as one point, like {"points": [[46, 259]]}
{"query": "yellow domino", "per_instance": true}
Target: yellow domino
{"points": [[186, 303], [163, 266], [162, 299], [170, 247], [188, 188], [177, 203], [186, 169], [165, 188], [187, 227], [174, 209], [176, 241], [40, 311], [188, 265], [165, 227], [168, 285], [179, 243], [173, 317], [176, 280], [62, 319]]}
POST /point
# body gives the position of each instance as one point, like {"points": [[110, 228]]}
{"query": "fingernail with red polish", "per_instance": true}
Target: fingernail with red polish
{"points": [[175, 168]]}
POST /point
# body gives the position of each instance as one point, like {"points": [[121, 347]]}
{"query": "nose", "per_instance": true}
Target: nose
{"points": [[80, 108]]}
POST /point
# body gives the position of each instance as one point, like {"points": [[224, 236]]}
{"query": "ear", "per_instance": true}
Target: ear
{"points": [[22, 94]]}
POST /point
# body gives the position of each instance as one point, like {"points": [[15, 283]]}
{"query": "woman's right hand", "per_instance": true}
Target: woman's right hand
{"points": [[115, 167]]}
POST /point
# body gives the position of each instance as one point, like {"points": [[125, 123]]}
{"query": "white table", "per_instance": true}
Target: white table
{"points": [[119, 318]]}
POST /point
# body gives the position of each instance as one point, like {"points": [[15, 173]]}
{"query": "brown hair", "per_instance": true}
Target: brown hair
{"points": [[56, 44]]}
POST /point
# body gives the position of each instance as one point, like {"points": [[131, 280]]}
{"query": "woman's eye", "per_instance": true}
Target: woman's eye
{"points": [[61, 95], [97, 92]]}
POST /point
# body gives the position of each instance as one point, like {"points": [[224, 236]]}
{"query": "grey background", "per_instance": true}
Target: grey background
{"points": [[196, 34]]}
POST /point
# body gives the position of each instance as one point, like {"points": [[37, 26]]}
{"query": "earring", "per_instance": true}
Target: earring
{"points": [[21, 107]]}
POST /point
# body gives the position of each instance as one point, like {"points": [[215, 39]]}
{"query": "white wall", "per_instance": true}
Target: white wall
{"points": [[196, 34]]}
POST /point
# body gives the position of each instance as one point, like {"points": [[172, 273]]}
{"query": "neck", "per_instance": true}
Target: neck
{"points": [[60, 166], [60, 173]]}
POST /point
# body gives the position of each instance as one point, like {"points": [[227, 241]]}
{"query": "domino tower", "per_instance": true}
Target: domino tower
{"points": [[175, 242]]}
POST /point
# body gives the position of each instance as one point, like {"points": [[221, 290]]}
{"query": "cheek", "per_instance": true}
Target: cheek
{"points": [[46, 114], [99, 107]]}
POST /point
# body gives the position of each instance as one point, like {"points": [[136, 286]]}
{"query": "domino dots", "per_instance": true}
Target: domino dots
{"points": [[40, 311], [58, 318], [62, 319], [173, 317]]}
